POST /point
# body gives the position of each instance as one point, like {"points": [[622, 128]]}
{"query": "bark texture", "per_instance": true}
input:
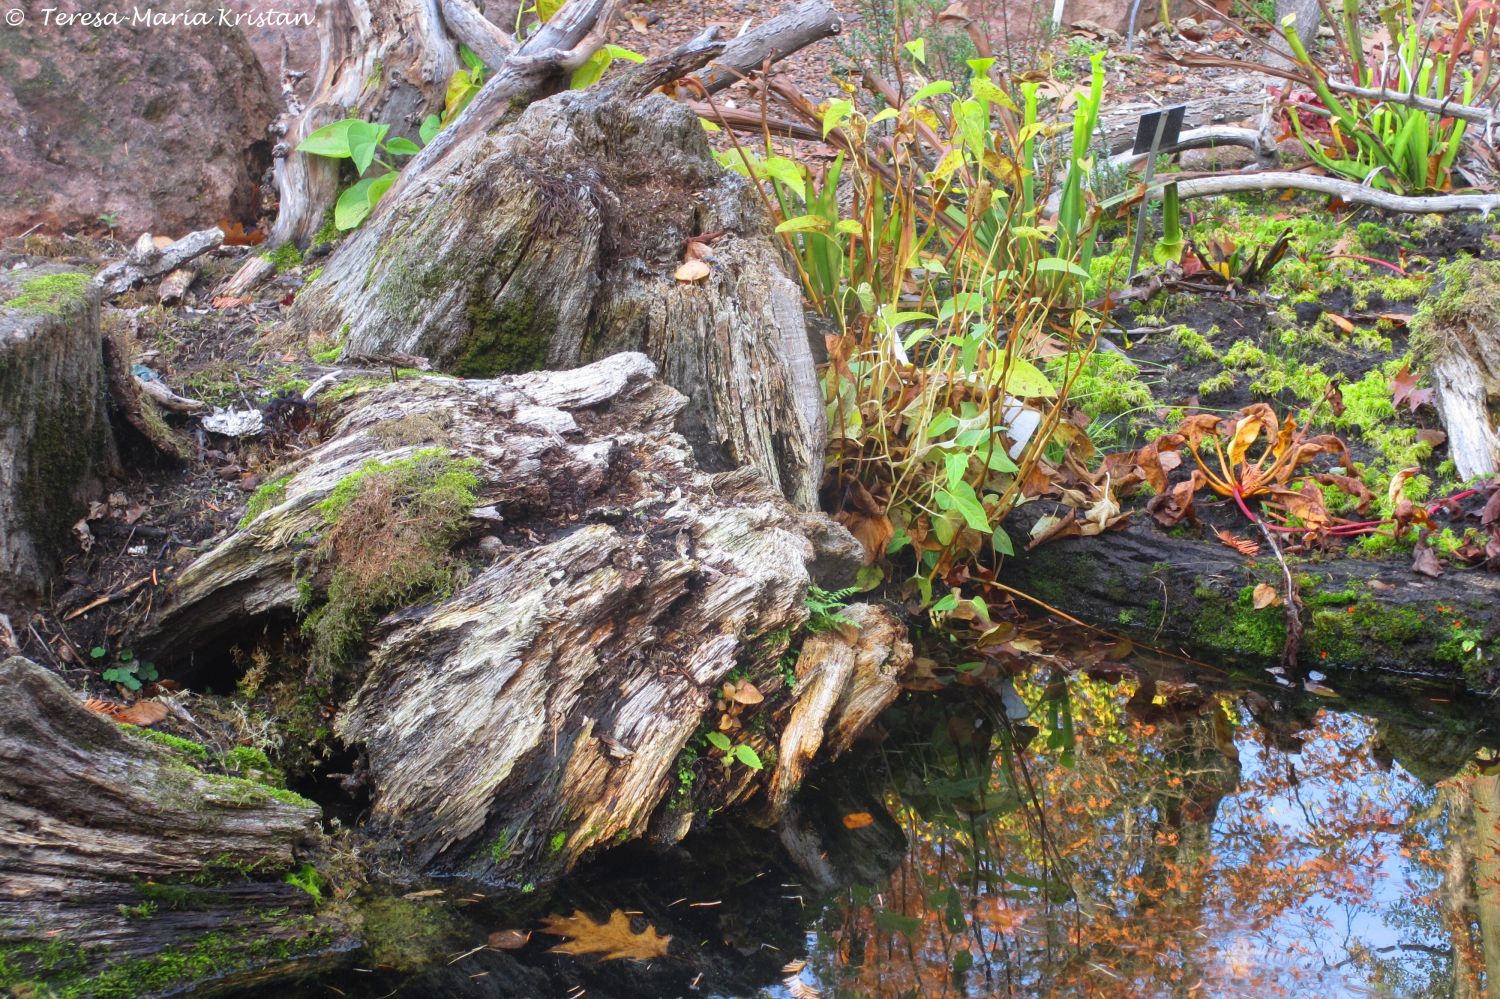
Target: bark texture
{"points": [[554, 241], [550, 705], [54, 432], [1458, 335], [116, 851]]}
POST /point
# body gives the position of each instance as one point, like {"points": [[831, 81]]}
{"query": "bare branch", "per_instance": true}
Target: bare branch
{"points": [[472, 28], [774, 40], [1345, 190]]}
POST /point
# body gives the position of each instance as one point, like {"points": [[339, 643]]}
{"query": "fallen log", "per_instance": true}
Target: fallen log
{"points": [[126, 868], [1193, 596], [146, 260], [1457, 337], [545, 697]]}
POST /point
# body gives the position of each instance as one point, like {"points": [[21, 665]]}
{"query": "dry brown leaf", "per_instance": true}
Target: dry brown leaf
{"points": [[692, 271], [1340, 322], [793, 967], [610, 941], [230, 301], [143, 713], [1425, 561], [638, 24], [855, 820], [1265, 595], [1244, 546], [106, 708]]}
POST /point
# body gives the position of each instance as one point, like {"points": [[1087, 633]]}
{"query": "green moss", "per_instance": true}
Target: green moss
{"points": [[1235, 626], [268, 495], [247, 761], [68, 971], [410, 512], [1344, 632], [503, 339], [1244, 355], [557, 842], [51, 294], [1469, 291], [407, 934], [196, 750], [285, 257], [1216, 385], [1108, 385], [500, 849], [1196, 348]]}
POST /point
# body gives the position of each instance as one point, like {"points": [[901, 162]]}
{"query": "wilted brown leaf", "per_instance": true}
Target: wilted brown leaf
{"points": [[692, 271], [143, 713], [1244, 546], [609, 941], [1425, 560], [1264, 596]]}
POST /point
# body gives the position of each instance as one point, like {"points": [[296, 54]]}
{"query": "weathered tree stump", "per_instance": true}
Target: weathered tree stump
{"points": [[550, 704], [125, 869], [54, 433], [554, 242]]}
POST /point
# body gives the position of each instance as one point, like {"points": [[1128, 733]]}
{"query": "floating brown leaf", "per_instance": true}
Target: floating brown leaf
{"points": [[509, 939], [609, 941]]}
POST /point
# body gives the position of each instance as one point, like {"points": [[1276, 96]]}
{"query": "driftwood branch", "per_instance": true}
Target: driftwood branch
{"points": [[486, 39], [146, 260], [1259, 141], [774, 40], [1345, 190]]}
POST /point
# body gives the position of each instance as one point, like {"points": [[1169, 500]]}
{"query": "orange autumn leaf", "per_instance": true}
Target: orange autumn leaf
{"points": [[613, 940], [858, 820]]}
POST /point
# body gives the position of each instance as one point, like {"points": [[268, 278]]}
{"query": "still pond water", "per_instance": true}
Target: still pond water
{"points": [[1165, 839]]}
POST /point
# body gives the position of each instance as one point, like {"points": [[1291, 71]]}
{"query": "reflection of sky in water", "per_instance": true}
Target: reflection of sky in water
{"points": [[1322, 929], [1346, 926]]}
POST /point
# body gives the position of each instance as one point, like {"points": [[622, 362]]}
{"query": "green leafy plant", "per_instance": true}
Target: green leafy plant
{"points": [[360, 142], [928, 244], [128, 671], [734, 752], [1386, 143], [824, 607]]}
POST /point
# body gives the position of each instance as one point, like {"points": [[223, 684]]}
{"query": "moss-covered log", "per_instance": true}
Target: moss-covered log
{"points": [[1187, 593], [537, 680], [54, 432], [128, 867]]}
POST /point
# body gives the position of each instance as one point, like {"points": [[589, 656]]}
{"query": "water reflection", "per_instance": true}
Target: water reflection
{"points": [[1129, 837], [1158, 841]]}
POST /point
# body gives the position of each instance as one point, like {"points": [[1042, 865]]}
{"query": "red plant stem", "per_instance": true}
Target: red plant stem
{"points": [[1369, 260]]}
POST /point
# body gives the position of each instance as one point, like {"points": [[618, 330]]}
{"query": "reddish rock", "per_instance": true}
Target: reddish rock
{"points": [[295, 34], [161, 126]]}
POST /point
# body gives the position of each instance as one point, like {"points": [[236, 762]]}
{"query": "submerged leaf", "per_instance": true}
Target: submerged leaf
{"points": [[609, 941]]}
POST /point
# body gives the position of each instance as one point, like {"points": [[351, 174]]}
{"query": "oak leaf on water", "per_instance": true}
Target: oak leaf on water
{"points": [[610, 941]]}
